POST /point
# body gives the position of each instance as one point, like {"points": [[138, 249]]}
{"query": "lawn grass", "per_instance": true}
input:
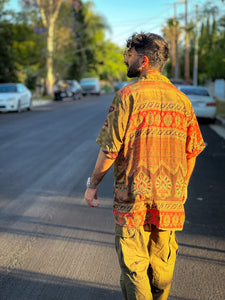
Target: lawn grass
{"points": [[221, 108], [46, 97]]}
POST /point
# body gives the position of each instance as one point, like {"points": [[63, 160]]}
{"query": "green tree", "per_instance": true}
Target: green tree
{"points": [[211, 45], [28, 52], [112, 67], [79, 44], [89, 36], [94, 55], [49, 11], [211, 57], [7, 65]]}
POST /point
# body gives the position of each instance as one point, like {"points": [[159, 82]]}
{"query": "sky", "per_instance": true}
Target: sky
{"points": [[125, 17], [128, 16]]}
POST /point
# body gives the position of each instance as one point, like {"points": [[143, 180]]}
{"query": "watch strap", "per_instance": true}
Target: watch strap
{"points": [[89, 185]]}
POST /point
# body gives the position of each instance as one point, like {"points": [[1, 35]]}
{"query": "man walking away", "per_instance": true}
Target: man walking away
{"points": [[152, 137]]}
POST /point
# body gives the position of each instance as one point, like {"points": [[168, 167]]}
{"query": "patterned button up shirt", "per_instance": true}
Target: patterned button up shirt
{"points": [[151, 131]]}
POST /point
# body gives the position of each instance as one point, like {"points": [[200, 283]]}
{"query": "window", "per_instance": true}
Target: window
{"points": [[195, 91], [8, 89]]}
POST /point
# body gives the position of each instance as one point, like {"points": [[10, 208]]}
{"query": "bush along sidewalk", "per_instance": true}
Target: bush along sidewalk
{"points": [[220, 112]]}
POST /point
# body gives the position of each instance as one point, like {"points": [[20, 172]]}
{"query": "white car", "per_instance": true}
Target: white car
{"points": [[14, 97], [203, 102], [90, 86]]}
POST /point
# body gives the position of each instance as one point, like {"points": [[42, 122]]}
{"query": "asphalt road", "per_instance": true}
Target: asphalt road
{"points": [[52, 246]]}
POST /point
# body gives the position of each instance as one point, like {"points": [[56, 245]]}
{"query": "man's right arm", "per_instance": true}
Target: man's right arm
{"points": [[190, 167], [102, 166]]}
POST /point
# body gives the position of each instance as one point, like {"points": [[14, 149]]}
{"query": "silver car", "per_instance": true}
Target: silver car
{"points": [[203, 102], [14, 97]]}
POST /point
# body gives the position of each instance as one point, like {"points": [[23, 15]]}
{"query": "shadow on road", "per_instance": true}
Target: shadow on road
{"points": [[52, 287]]}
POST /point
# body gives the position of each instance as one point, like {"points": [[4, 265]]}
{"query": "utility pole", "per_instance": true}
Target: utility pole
{"points": [[174, 43], [175, 60], [195, 69], [187, 59]]}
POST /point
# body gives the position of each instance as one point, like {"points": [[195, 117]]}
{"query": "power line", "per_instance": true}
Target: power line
{"points": [[143, 23]]}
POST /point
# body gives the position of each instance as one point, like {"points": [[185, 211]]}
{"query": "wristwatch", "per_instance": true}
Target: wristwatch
{"points": [[89, 185]]}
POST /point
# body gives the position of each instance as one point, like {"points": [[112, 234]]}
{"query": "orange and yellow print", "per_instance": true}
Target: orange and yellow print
{"points": [[152, 130]]}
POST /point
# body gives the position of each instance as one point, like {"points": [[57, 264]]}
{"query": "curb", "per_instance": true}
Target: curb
{"points": [[220, 120]]}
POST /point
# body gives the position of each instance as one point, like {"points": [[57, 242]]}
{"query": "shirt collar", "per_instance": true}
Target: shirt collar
{"points": [[154, 76]]}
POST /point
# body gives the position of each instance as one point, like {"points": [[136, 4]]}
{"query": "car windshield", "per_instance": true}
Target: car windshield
{"points": [[69, 82], [88, 82], [194, 91], [8, 89]]}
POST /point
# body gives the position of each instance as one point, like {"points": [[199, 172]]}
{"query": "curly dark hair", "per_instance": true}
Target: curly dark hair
{"points": [[151, 45]]}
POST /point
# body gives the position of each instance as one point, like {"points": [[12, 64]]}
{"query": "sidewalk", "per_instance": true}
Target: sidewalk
{"points": [[41, 102], [219, 126], [221, 119]]}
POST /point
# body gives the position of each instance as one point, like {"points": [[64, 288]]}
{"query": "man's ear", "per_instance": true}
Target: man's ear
{"points": [[145, 62]]}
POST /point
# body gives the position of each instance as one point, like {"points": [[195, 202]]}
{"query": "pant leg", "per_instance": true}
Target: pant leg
{"points": [[163, 248], [132, 250]]}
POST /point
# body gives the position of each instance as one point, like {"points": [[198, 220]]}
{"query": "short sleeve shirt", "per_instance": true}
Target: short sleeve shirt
{"points": [[151, 130]]}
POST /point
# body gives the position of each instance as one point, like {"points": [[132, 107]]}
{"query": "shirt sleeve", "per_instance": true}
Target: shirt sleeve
{"points": [[112, 134], [194, 143]]}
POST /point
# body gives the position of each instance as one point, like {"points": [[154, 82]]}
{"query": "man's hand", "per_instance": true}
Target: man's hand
{"points": [[102, 165], [90, 195]]}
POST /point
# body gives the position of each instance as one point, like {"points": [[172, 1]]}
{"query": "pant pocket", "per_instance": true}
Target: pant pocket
{"points": [[163, 246], [163, 249], [169, 251]]}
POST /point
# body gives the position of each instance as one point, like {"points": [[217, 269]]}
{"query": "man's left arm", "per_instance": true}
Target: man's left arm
{"points": [[102, 166]]}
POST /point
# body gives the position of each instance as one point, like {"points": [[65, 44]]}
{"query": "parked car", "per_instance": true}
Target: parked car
{"points": [[120, 85], [203, 102], [178, 81], [90, 86], [15, 97], [67, 89]]}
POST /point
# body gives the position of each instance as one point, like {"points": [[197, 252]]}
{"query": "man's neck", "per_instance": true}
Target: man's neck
{"points": [[149, 71]]}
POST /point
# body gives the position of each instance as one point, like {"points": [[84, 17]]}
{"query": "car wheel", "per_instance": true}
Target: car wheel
{"points": [[18, 106], [56, 97], [30, 105], [74, 97]]}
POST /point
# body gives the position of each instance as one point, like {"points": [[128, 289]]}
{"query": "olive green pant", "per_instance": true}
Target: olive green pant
{"points": [[147, 258]]}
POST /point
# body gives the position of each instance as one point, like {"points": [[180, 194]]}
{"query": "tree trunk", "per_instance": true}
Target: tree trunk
{"points": [[187, 58], [50, 48], [174, 54]]}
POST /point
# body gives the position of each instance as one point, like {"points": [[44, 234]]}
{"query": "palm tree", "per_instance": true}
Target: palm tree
{"points": [[172, 33], [89, 35]]}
